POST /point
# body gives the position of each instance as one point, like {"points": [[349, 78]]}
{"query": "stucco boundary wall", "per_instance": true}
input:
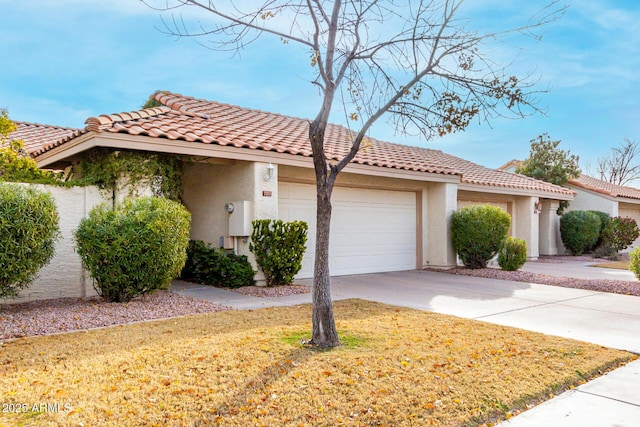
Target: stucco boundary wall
{"points": [[64, 276]]}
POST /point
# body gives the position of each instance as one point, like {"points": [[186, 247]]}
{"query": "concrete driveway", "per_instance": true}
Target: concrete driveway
{"points": [[607, 319]]}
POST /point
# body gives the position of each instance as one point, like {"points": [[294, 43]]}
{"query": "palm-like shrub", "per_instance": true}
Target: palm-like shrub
{"points": [[28, 230], [478, 232], [135, 249]]}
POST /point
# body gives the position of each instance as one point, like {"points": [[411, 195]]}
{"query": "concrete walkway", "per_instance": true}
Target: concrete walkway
{"points": [[607, 319]]}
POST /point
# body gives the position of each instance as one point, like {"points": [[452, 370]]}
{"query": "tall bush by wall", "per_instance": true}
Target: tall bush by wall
{"points": [[579, 231], [279, 247], [136, 248], [28, 230], [478, 232]]}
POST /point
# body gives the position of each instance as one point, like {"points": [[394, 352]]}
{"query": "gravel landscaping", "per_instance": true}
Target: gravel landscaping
{"points": [[623, 287], [601, 285], [69, 314]]}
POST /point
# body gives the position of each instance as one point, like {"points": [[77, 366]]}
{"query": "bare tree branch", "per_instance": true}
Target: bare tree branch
{"points": [[623, 165], [414, 61]]}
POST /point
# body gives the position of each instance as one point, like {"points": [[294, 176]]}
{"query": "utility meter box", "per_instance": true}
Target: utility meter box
{"points": [[239, 218]]}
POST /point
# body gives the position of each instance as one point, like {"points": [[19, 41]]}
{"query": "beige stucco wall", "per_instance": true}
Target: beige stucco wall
{"points": [[440, 201], [549, 228], [208, 187], [64, 275], [527, 224], [587, 200]]}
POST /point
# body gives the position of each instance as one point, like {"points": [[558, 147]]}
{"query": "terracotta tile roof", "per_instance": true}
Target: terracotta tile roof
{"points": [[604, 187], [36, 136], [473, 173], [202, 121]]}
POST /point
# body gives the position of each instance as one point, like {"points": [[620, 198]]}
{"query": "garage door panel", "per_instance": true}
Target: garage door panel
{"points": [[371, 230]]}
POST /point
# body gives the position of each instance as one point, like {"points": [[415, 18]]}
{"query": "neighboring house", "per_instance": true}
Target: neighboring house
{"points": [[391, 205], [616, 200], [598, 195], [36, 136]]}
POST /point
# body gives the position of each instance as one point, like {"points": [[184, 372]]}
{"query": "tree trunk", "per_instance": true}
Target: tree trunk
{"points": [[324, 326]]}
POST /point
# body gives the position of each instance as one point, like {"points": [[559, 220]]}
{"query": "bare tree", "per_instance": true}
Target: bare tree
{"points": [[623, 165], [412, 59]]}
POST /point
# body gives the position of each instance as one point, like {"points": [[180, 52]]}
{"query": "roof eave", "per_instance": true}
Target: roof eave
{"points": [[515, 191], [604, 194], [71, 149]]}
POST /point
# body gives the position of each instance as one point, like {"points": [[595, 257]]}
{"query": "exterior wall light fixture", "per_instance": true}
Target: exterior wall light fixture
{"points": [[537, 207], [267, 176]]}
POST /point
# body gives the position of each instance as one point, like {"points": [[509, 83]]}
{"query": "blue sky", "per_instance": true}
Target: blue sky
{"points": [[66, 60]]}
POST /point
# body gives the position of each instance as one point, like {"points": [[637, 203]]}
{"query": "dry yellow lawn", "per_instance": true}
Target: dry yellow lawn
{"points": [[398, 367], [618, 265]]}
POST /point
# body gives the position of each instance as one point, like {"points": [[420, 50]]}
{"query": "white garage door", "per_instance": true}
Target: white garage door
{"points": [[371, 230]]}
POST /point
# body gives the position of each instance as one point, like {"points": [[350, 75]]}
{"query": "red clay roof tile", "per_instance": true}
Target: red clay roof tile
{"points": [[198, 120], [37, 136], [604, 187]]}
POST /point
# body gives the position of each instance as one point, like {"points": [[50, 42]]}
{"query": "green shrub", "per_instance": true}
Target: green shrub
{"points": [[28, 230], [620, 233], [605, 219], [279, 247], [15, 164], [634, 262], [579, 231], [215, 266], [513, 254], [478, 232], [135, 249]]}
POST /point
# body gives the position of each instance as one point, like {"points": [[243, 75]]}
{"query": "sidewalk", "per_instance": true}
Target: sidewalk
{"points": [[607, 319]]}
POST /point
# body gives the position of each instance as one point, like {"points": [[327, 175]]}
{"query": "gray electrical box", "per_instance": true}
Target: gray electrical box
{"points": [[239, 218]]}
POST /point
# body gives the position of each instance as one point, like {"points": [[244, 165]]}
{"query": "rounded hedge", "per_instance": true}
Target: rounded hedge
{"points": [[605, 219], [135, 249], [579, 230], [478, 232], [28, 230], [634, 262], [513, 254]]}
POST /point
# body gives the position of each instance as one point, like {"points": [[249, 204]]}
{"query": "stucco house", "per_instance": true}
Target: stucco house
{"points": [[598, 195], [616, 200], [392, 204]]}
